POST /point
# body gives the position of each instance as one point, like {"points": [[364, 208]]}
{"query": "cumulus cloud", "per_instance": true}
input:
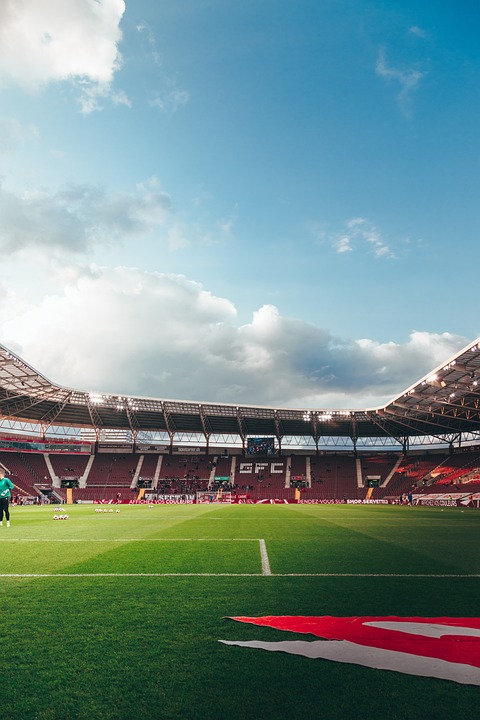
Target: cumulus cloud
{"points": [[127, 331], [407, 79], [44, 41], [76, 217], [79, 217]]}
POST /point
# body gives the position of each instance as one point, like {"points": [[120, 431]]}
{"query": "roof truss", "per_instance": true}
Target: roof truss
{"points": [[445, 404]]}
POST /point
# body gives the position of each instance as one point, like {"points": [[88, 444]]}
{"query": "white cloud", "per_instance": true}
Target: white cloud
{"points": [[13, 133], [120, 98], [408, 79], [77, 217], [359, 233], [178, 236], [167, 97], [170, 99], [119, 328], [44, 41], [144, 28], [124, 330], [226, 225], [418, 32], [343, 244]]}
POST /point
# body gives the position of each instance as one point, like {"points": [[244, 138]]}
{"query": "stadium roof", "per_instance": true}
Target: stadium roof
{"points": [[445, 404]]}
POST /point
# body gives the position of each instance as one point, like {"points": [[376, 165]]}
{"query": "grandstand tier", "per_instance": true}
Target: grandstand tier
{"points": [[307, 477]]}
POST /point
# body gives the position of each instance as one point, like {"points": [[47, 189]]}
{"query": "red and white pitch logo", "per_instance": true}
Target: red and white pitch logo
{"points": [[442, 647]]}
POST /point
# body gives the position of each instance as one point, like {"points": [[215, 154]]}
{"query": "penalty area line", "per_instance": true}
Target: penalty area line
{"points": [[125, 540], [123, 575], [265, 572], [379, 575], [265, 561]]}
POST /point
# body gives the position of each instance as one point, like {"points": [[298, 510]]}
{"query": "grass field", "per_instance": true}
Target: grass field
{"points": [[118, 616]]}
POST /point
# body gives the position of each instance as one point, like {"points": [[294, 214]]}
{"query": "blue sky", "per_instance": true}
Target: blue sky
{"points": [[270, 203]]}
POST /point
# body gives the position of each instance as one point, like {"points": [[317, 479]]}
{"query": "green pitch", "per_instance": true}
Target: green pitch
{"points": [[118, 615]]}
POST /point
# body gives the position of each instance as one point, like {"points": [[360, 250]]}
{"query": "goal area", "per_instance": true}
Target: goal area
{"points": [[214, 496]]}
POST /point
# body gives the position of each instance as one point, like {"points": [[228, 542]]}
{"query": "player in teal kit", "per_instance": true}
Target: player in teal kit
{"points": [[5, 486]]}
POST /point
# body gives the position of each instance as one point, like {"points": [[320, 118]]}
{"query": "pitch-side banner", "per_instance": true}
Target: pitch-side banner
{"points": [[448, 499], [439, 647]]}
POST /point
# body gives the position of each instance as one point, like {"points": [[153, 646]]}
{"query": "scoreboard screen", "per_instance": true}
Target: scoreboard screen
{"points": [[261, 446]]}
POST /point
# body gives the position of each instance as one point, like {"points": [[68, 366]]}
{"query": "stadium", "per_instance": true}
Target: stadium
{"points": [[208, 547], [79, 447], [239, 436]]}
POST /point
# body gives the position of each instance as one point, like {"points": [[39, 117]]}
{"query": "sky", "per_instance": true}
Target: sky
{"points": [[269, 203]]}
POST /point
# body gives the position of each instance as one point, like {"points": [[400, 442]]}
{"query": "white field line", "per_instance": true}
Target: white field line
{"points": [[123, 575], [266, 571], [264, 555], [381, 575], [257, 575], [127, 539]]}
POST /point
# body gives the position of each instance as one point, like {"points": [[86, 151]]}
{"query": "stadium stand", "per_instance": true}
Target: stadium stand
{"points": [[456, 468], [326, 477], [334, 477], [105, 492], [67, 466], [412, 472], [148, 469], [262, 477], [299, 470], [380, 465], [28, 471], [113, 469], [223, 466]]}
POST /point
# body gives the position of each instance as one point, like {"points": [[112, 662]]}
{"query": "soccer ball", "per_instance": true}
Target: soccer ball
{"points": [[55, 517], [117, 511]]}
